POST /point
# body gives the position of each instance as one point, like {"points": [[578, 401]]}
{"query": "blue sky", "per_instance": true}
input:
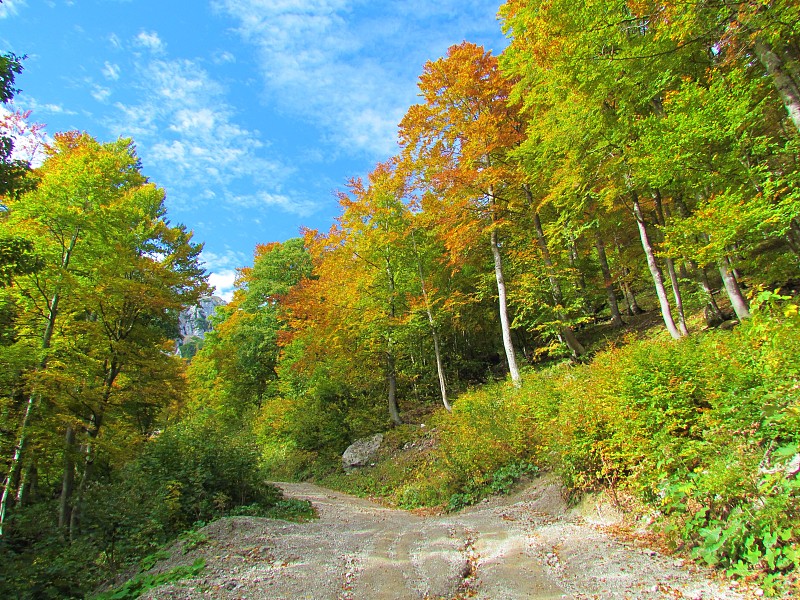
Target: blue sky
{"points": [[250, 113]]}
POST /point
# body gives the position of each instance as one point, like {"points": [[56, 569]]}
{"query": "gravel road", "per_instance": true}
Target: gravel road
{"points": [[527, 545]]}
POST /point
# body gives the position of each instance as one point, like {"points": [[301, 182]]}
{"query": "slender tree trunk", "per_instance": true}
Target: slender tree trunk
{"points": [[793, 237], [505, 323], [633, 307], [27, 484], [655, 272], [76, 513], [673, 277], [33, 398], [676, 292], [391, 365], [567, 335], [432, 324], [391, 377], [738, 301], [616, 317], [581, 278], [630, 297], [705, 284], [68, 479], [787, 87], [439, 366]]}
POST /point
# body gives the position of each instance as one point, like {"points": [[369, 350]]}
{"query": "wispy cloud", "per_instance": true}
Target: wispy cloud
{"points": [[354, 77], [40, 109], [111, 71], [186, 127], [10, 8], [150, 40], [100, 93], [223, 57], [222, 269]]}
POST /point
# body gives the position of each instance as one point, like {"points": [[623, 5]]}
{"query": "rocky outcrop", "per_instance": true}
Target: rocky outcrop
{"points": [[193, 324], [361, 452], [194, 321]]}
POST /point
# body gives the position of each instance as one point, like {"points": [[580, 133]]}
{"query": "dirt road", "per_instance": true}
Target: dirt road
{"points": [[523, 546]]}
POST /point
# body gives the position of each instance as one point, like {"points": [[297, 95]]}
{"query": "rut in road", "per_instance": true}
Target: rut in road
{"points": [[525, 546]]}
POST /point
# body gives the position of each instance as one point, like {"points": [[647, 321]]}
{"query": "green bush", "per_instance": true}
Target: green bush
{"points": [[204, 467]]}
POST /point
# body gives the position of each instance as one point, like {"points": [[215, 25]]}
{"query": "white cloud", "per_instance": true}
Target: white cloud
{"points": [[111, 71], [150, 40], [47, 108], [222, 282], [298, 206], [223, 57], [185, 126], [100, 93], [349, 66], [222, 271], [10, 8]]}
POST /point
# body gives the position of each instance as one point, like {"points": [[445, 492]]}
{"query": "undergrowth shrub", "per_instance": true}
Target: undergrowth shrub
{"points": [[203, 467], [705, 430], [197, 470]]}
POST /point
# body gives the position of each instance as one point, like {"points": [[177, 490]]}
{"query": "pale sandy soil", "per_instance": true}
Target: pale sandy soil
{"points": [[527, 545]]}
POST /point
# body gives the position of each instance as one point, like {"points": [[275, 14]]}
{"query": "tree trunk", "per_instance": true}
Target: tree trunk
{"points": [[391, 366], [505, 323], [67, 480], [434, 331], [788, 89], [673, 277], [705, 284], [676, 292], [633, 307], [391, 377], [27, 485], [738, 301], [616, 317], [655, 272], [581, 278], [77, 508], [567, 335]]}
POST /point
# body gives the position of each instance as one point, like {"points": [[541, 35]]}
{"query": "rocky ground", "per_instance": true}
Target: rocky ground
{"points": [[527, 545]]}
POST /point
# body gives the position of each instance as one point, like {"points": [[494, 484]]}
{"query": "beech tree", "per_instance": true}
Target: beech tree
{"points": [[103, 302], [457, 142], [236, 368]]}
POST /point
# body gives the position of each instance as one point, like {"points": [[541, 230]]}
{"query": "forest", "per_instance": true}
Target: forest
{"points": [[583, 258]]}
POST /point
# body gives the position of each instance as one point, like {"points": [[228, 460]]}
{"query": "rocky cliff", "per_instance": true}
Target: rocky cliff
{"points": [[194, 323]]}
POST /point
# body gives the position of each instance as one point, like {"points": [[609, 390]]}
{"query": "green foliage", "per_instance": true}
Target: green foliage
{"points": [[202, 467], [144, 582], [502, 482]]}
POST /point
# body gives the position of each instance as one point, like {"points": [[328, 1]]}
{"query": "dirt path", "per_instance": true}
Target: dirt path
{"points": [[523, 546]]}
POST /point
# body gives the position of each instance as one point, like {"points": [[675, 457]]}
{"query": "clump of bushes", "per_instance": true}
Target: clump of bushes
{"points": [[705, 431], [197, 470]]}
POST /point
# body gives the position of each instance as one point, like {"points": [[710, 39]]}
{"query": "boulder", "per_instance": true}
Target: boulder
{"points": [[361, 452]]}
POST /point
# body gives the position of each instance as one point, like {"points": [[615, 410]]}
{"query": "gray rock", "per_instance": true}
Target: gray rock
{"points": [[361, 452], [193, 321]]}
